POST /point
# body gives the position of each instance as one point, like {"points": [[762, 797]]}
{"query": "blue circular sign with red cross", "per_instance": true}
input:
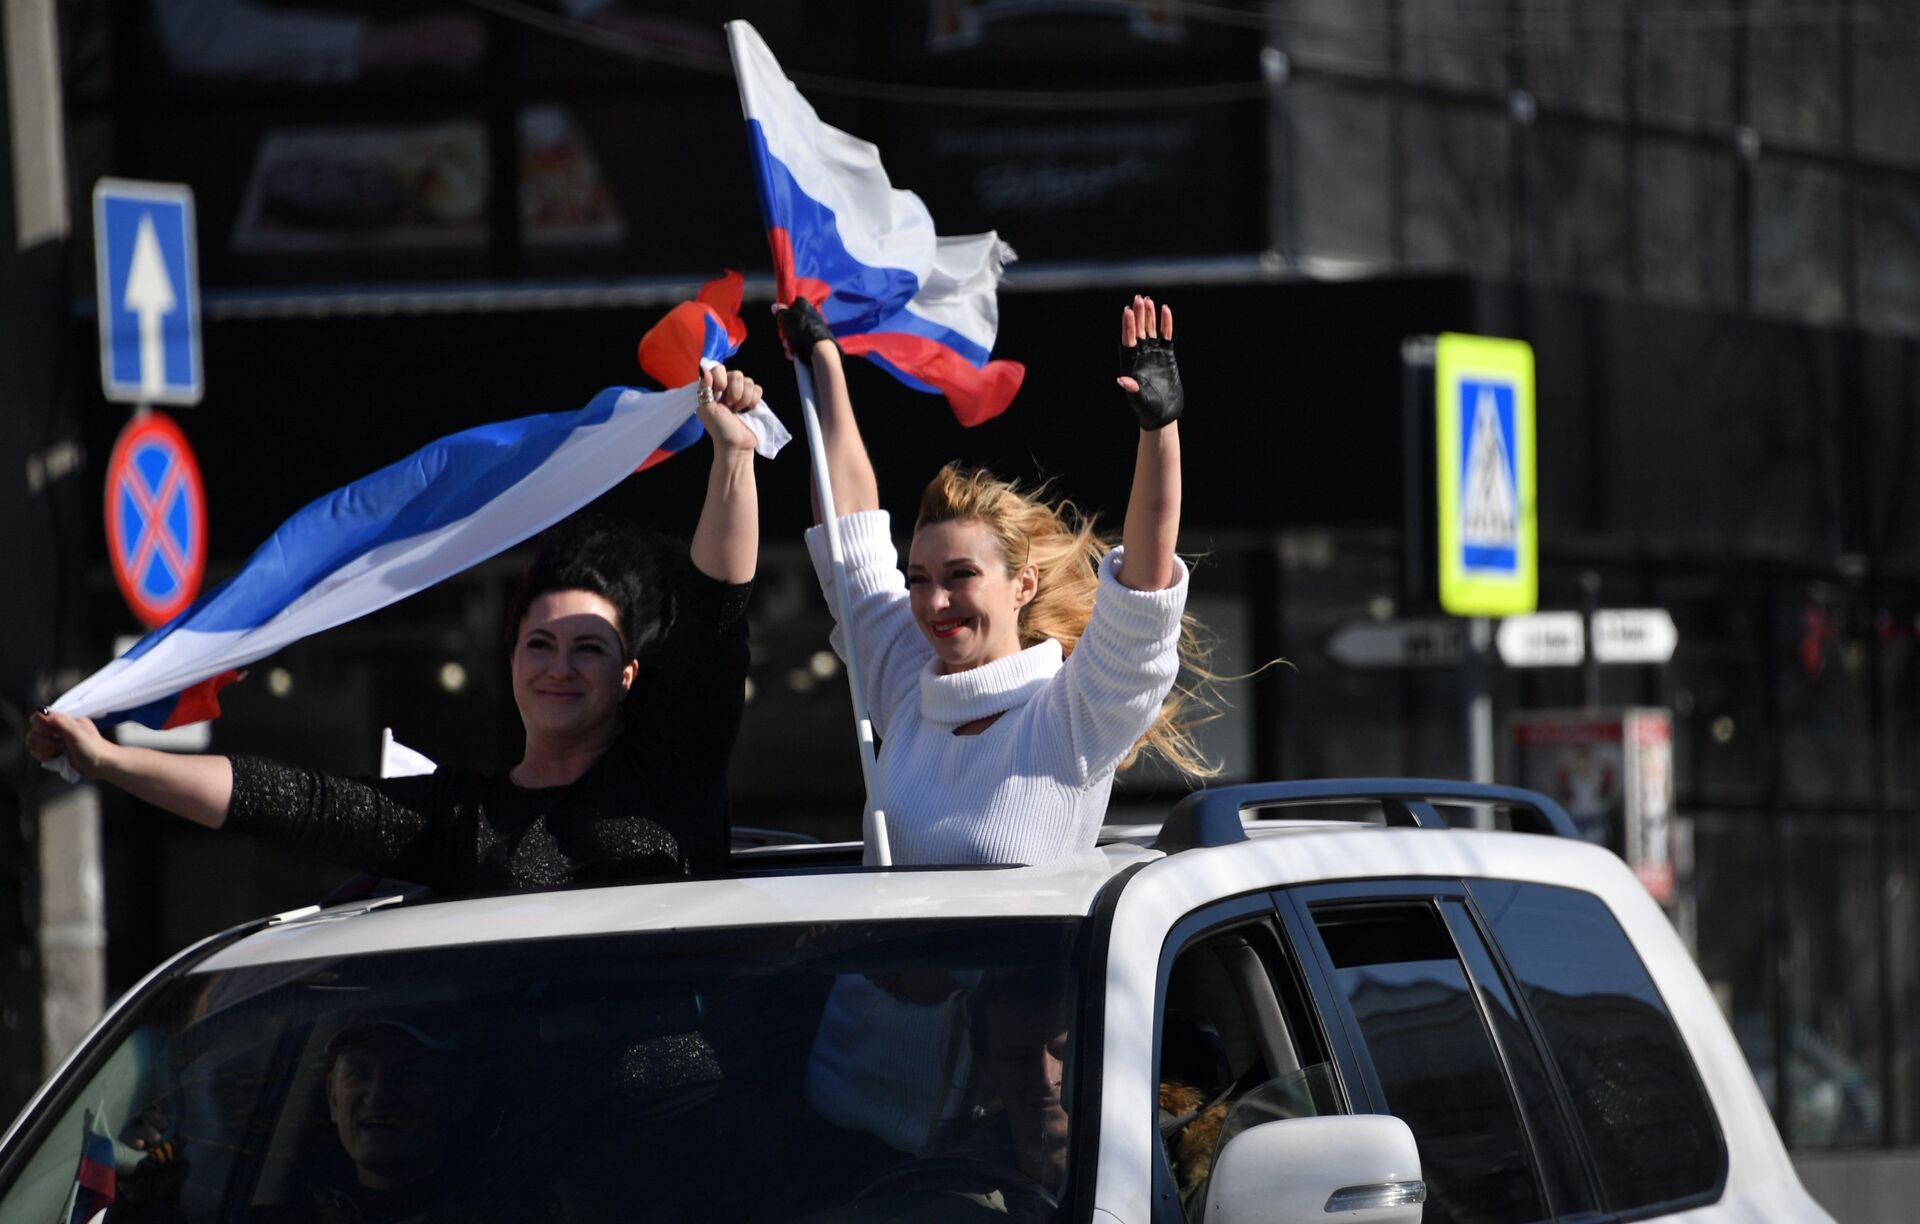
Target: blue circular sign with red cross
{"points": [[156, 519]]}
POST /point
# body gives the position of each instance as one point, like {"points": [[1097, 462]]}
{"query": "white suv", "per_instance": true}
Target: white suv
{"points": [[1389, 1005]]}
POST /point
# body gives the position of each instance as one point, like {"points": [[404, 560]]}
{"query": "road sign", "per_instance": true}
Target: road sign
{"points": [[149, 292], [1429, 642], [156, 519], [1487, 483], [1634, 635], [1542, 639]]}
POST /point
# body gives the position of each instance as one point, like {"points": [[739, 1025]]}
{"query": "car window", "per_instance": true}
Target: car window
{"points": [[1633, 1086], [822, 1072], [1415, 1012], [1237, 1048]]}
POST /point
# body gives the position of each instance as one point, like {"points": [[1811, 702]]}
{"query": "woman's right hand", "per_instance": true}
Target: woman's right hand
{"points": [[802, 328], [50, 735]]}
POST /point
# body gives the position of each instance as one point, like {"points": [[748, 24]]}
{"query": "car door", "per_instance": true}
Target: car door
{"points": [[1514, 1029], [1425, 1028], [1236, 1042]]}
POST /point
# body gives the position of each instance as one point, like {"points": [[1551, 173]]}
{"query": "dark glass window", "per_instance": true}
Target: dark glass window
{"points": [[1415, 1008], [1647, 1120]]}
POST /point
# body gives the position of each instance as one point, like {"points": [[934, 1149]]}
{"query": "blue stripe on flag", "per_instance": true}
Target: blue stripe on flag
{"points": [[864, 297], [438, 485]]}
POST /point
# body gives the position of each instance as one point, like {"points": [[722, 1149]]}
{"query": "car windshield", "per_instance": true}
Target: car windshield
{"points": [[822, 1072]]}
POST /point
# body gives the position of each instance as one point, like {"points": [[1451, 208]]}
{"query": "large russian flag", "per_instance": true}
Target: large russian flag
{"points": [[920, 305], [446, 507]]}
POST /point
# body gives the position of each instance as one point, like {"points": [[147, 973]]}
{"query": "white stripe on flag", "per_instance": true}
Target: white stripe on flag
{"points": [[881, 225], [591, 460]]}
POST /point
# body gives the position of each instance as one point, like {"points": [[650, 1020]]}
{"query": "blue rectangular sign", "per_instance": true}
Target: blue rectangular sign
{"points": [[149, 292], [1489, 479]]}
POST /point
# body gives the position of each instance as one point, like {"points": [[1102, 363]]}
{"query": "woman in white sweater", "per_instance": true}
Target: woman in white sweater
{"points": [[1018, 661]]}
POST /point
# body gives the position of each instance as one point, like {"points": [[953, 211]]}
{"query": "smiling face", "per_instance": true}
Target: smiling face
{"points": [[964, 600], [388, 1100], [569, 668]]}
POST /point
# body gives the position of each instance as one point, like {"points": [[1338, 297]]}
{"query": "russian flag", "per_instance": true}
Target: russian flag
{"points": [[920, 305], [448, 506], [685, 340], [95, 1182]]}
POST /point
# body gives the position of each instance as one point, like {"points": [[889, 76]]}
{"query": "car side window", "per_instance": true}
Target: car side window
{"points": [[1237, 1048], [1647, 1120], [1414, 1009]]}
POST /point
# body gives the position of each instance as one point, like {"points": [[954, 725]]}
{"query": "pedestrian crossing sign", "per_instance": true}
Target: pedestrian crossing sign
{"points": [[1487, 482]]}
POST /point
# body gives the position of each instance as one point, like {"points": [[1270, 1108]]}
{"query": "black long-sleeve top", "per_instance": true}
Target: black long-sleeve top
{"points": [[654, 805]]}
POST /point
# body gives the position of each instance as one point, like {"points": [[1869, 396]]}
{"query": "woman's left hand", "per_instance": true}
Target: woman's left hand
{"points": [[724, 395]]}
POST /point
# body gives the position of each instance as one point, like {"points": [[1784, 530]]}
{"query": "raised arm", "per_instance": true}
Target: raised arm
{"points": [[196, 787], [806, 334], [1151, 381], [726, 543]]}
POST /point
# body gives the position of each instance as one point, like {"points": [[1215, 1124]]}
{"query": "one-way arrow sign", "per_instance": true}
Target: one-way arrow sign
{"points": [[149, 299]]}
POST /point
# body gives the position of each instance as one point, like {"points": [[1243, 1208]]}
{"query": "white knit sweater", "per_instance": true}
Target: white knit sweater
{"points": [[1033, 786]]}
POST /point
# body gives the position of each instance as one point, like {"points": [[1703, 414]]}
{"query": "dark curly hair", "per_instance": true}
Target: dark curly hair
{"points": [[633, 568]]}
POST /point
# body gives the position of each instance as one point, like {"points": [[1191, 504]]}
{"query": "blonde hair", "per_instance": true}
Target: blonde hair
{"points": [[1064, 548]]}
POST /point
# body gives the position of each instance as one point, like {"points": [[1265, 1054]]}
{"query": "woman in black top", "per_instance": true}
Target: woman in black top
{"points": [[628, 726]]}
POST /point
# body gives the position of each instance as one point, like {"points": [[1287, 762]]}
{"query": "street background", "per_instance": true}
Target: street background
{"points": [[1703, 215]]}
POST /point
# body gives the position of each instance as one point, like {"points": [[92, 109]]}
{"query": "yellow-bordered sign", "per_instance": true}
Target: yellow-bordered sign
{"points": [[1489, 497]]}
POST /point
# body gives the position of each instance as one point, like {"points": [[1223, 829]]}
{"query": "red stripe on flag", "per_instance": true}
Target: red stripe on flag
{"points": [[786, 286], [975, 395], [199, 702], [98, 1177]]}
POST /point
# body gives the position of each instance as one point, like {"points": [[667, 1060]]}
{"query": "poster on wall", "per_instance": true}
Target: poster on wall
{"points": [[1612, 770]]}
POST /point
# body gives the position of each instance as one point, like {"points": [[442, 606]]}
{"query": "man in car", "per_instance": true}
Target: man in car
{"points": [[1024, 1051], [392, 1096]]}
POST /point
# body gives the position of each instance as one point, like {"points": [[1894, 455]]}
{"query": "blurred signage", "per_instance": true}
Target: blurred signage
{"points": [[1367, 644], [1634, 635], [1613, 772], [1542, 639], [149, 290], [1486, 477]]}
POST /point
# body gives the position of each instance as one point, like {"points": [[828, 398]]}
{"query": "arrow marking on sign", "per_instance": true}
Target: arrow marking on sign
{"points": [[150, 298]]}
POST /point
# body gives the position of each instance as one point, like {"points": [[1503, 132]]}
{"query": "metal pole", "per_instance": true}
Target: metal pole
{"points": [[874, 827], [1477, 699]]}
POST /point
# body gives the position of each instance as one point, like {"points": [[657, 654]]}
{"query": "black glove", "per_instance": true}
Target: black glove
{"points": [[1150, 363], [802, 327]]}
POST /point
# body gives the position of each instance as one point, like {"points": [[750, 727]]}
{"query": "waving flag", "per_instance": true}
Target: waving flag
{"points": [[448, 506], [685, 340], [920, 305]]}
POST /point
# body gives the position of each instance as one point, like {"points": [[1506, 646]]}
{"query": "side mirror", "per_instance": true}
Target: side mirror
{"points": [[1363, 1168]]}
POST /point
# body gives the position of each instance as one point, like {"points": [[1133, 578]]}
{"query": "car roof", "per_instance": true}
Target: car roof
{"points": [[780, 885], [764, 897]]}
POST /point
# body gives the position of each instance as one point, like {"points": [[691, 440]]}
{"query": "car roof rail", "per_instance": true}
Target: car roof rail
{"points": [[1211, 817]]}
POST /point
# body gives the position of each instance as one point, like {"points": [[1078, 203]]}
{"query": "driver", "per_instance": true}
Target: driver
{"points": [[1014, 1163], [1023, 1055]]}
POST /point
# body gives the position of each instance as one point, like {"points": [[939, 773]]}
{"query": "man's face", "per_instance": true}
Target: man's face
{"points": [[1026, 1056], [387, 1097]]}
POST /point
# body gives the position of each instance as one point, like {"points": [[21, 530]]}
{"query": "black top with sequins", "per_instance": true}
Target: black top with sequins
{"points": [[654, 805]]}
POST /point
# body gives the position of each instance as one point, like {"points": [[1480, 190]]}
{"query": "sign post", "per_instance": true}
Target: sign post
{"points": [[149, 292]]}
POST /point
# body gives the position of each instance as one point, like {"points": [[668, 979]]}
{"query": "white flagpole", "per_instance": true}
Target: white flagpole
{"points": [[874, 829]]}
